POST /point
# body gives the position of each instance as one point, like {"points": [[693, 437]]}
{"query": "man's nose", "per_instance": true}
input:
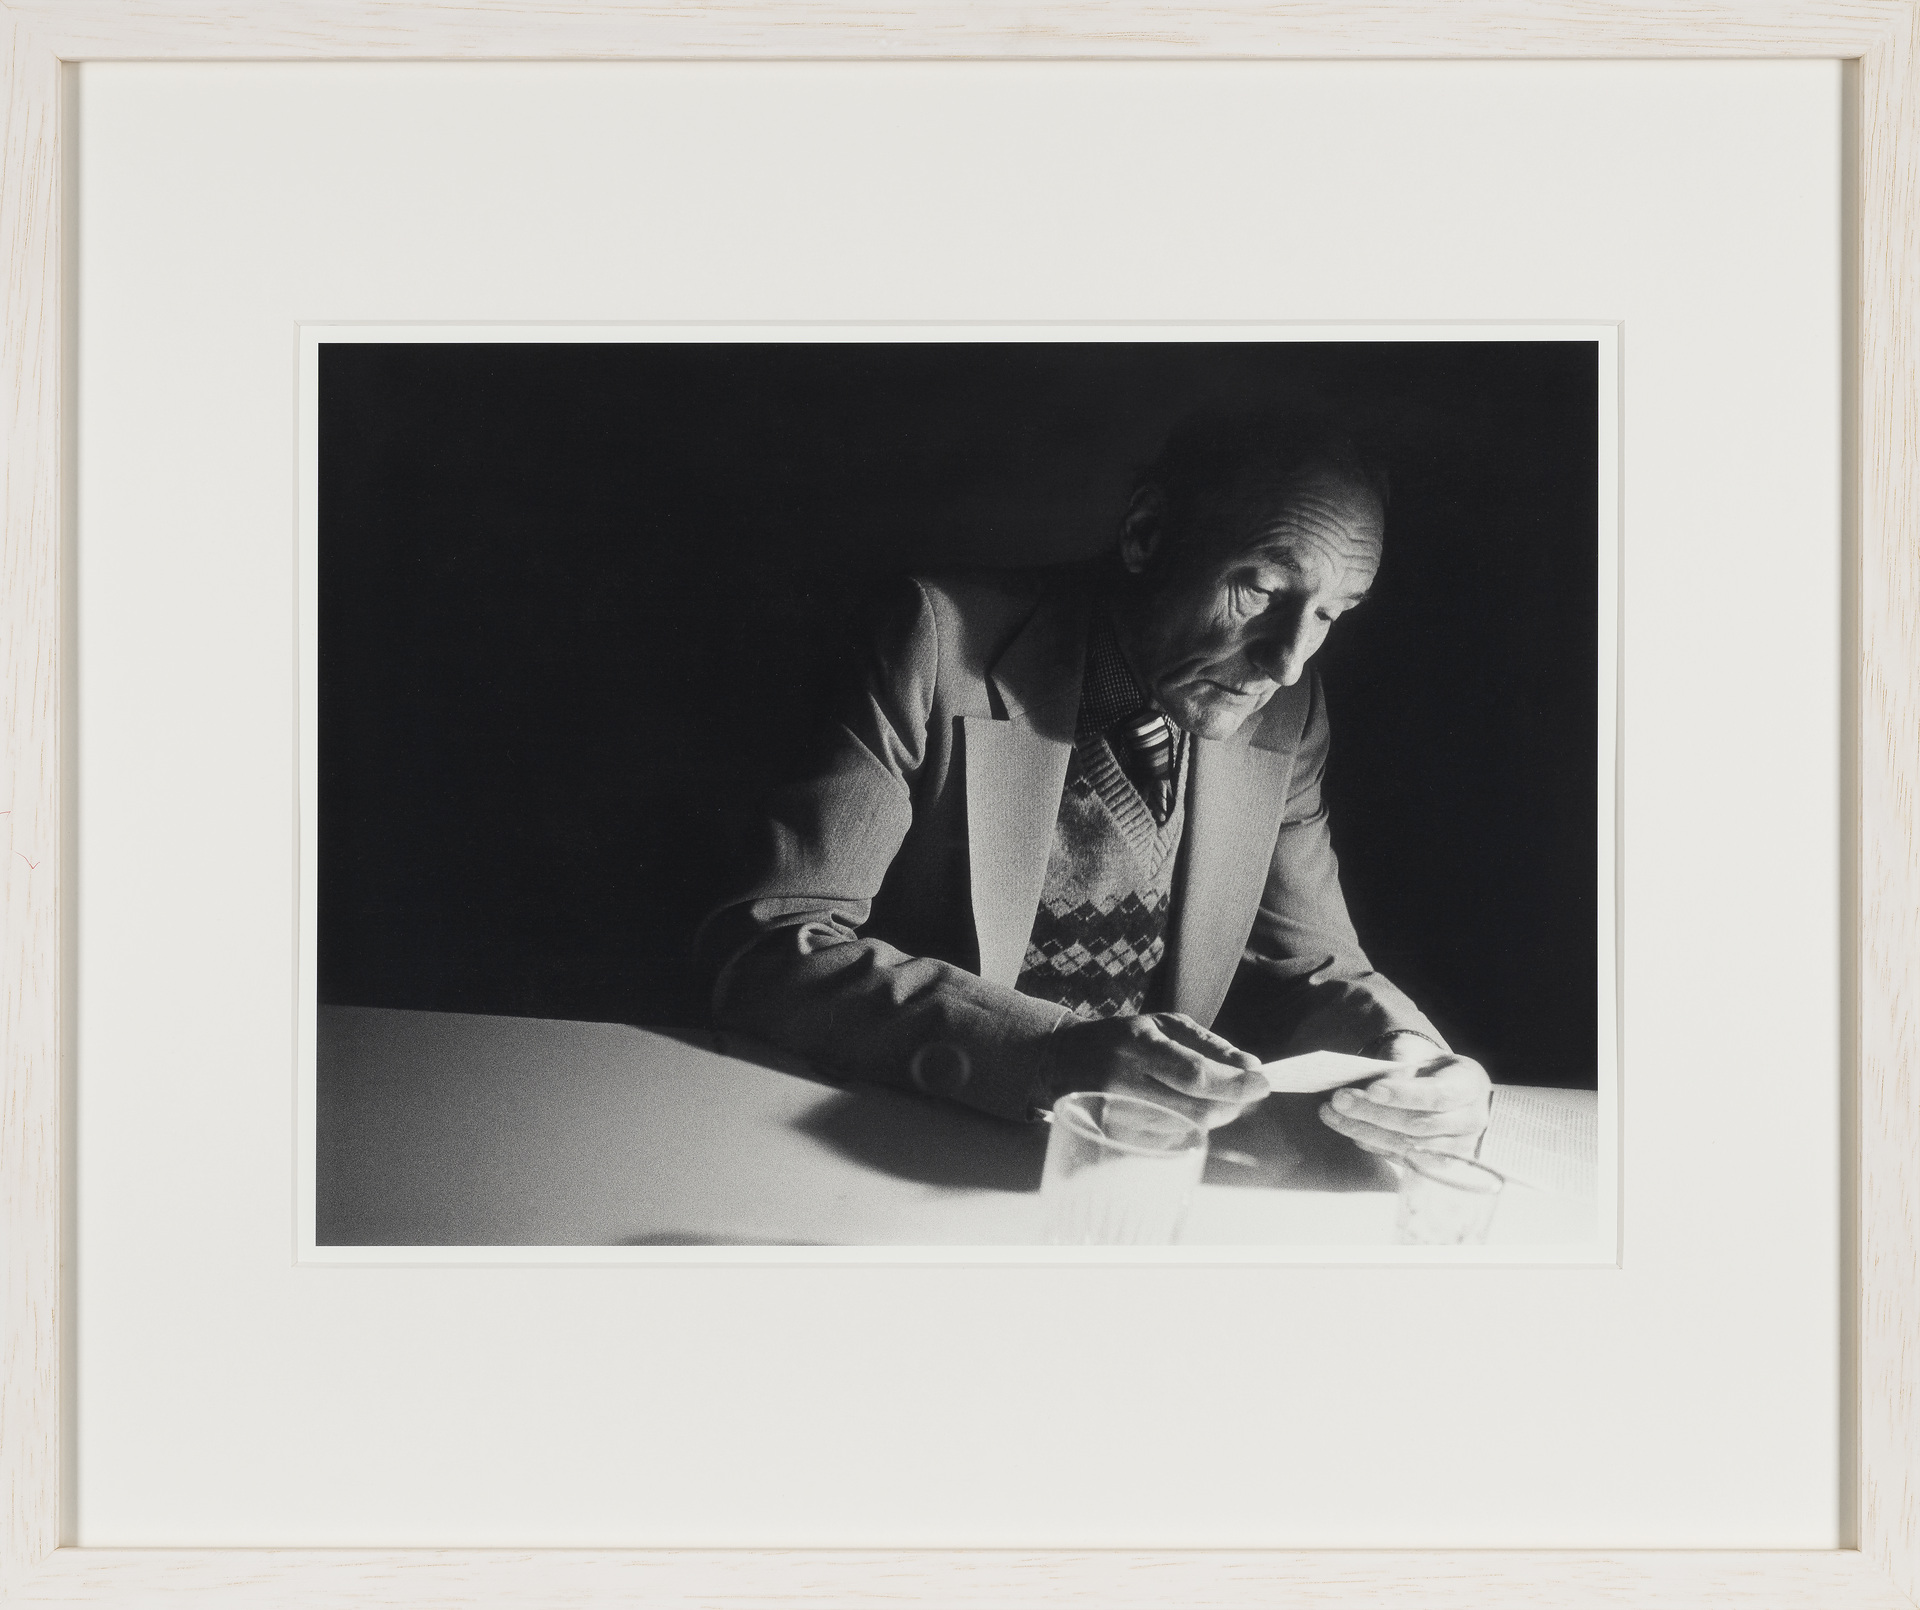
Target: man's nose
{"points": [[1282, 652]]}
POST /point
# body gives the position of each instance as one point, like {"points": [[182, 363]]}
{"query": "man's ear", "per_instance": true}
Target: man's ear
{"points": [[1142, 527]]}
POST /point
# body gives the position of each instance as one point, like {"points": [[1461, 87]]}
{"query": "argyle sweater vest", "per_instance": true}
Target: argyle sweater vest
{"points": [[1101, 927]]}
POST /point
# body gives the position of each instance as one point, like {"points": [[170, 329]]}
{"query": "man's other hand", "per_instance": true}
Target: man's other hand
{"points": [[1438, 1104], [1162, 1057]]}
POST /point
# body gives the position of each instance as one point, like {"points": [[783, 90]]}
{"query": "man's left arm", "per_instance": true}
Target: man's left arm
{"points": [[1305, 984]]}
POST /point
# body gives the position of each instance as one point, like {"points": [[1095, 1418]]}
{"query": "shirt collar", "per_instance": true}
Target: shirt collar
{"points": [[1109, 691]]}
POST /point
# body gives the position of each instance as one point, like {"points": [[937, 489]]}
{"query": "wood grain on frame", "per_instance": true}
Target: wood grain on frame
{"points": [[991, 1579], [36, 35]]}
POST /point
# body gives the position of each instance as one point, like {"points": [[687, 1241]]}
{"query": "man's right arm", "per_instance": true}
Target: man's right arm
{"points": [[789, 961]]}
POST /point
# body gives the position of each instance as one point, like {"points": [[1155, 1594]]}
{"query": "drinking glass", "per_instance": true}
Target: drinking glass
{"points": [[1445, 1201], [1119, 1172]]}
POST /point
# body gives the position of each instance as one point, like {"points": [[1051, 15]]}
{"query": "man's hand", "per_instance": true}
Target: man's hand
{"points": [[1438, 1103], [1162, 1057]]}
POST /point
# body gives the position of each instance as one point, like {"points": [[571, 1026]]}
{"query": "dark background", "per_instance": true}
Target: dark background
{"points": [[578, 604]]}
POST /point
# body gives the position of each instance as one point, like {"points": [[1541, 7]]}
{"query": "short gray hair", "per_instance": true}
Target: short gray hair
{"points": [[1209, 452]]}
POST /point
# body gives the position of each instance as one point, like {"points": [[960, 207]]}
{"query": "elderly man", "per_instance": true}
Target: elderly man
{"points": [[1073, 814]]}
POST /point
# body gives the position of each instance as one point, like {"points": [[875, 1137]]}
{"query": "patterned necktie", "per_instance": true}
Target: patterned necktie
{"points": [[1150, 736]]}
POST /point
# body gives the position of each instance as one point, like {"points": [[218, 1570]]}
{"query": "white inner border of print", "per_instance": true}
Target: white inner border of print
{"points": [[1603, 1250]]}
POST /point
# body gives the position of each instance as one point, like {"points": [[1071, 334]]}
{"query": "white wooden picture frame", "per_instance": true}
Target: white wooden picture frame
{"points": [[1880, 41]]}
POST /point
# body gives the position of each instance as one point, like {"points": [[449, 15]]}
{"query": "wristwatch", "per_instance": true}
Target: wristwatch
{"points": [[1379, 1041]]}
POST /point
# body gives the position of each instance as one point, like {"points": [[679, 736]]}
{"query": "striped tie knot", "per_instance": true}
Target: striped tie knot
{"points": [[1150, 737]]}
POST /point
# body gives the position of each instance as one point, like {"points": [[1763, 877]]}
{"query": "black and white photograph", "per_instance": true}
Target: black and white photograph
{"points": [[1054, 793]]}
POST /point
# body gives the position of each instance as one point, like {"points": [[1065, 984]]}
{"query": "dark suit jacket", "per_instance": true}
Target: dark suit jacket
{"points": [[887, 913]]}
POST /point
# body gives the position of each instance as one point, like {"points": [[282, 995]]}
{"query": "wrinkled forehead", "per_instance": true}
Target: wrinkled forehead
{"points": [[1315, 520]]}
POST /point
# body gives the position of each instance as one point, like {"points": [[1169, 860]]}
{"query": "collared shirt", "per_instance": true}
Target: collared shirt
{"points": [[1109, 694], [1109, 691]]}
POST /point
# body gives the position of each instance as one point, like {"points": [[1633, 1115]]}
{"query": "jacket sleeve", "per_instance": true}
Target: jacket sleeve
{"points": [[1304, 983], [788, 960]]}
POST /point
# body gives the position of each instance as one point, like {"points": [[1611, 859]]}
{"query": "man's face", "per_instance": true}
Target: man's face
{"points": [[1233, 612]]}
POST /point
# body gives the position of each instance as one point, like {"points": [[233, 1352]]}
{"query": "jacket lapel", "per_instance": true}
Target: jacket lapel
{"points": [[1015, 768], [1234, 805]]}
